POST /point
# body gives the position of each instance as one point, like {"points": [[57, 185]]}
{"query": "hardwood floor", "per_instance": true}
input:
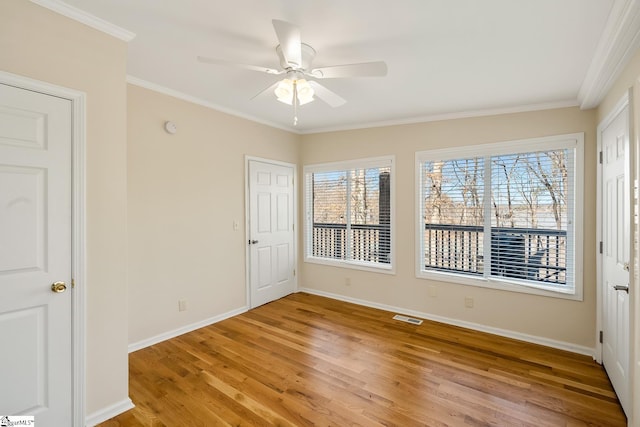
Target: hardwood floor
{"points": [[307, 360]]}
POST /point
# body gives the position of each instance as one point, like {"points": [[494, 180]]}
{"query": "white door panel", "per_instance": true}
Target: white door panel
{"points": [[271, 232], [264, 267], [616, 231], [35, 252], [283, 262], [23, 223]]}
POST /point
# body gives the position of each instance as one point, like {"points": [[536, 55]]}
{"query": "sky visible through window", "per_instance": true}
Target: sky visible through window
{"points": [[528, 190], [330, 195]]}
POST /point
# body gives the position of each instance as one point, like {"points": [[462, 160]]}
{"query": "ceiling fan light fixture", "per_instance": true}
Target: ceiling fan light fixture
{"points": [[284, 91], [303, 91]]}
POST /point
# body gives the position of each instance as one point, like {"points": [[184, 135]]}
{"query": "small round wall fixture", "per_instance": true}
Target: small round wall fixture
{"points": [[170, 127]]}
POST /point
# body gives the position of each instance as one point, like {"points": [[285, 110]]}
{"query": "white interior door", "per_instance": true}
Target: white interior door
{"points": [[35, 252], [271, 232], [616, 232]]}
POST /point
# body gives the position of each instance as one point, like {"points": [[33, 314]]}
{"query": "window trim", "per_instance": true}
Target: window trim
{"points": [[369, 162], [574, 234]]}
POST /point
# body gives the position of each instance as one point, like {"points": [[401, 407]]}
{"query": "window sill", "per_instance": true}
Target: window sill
{"points": [[354, 265], [574, 294]]}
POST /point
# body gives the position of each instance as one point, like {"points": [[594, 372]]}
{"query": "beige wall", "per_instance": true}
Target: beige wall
{"points": [[185, 191], [630, 79], [43, 45], [557, 319]]}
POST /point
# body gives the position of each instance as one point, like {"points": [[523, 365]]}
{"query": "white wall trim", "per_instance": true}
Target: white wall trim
{"points": [[341, 165], [203, 103], [573, 141], [247, 220], [413, 120], [620, 40], [78, 224], [86, 18], [450, 116], [561, 345], [183, 330], [109, 412], [79, 255], [610, 117]]}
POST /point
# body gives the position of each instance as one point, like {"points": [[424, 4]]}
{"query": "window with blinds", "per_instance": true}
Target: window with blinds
{"points": [[348, 213], [503, 213]]}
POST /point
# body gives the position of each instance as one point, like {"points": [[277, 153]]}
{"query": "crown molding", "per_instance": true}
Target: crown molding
{"points": [[198, 101], [449, 116], [619, 42], [432, 118], [86, 18]]}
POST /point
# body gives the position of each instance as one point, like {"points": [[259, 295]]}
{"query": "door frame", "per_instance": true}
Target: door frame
{"points": [[247, 220], [625, 101], [78, 228]]}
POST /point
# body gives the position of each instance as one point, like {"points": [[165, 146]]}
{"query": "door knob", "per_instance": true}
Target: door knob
{"points": [[253, 242], [58, 287]]}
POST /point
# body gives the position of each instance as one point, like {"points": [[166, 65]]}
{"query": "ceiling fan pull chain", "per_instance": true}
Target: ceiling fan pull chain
{"points": [[295, 102]]}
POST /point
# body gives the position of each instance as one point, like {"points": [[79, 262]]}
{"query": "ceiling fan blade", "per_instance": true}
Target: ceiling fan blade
{"points": [[270, 88], [331, 98], [289, 38], [365, 69], [236, 65]]}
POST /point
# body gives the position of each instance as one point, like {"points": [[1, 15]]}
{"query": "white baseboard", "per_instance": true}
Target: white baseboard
{"points": [[561, 345], [108, 412], [183, 330]]}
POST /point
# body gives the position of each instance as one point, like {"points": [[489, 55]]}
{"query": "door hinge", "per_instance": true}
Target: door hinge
{"points": [[294, 272], [601, 157], [601, 247], [293, 227], [601, 337], [73, 283]]}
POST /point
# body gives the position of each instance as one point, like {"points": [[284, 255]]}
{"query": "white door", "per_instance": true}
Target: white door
{"points": [[271, 232], [35, 252], [616, 232]]}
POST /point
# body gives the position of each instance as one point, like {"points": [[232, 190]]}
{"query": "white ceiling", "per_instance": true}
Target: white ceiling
{"points": [[445, 57]]}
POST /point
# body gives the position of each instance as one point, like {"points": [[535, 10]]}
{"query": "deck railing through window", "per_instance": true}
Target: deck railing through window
{"points": [[519, 253], [370, 242]]}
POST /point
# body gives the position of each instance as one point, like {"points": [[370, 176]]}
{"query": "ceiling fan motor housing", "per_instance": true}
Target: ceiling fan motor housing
{"points": [[308, 53]]}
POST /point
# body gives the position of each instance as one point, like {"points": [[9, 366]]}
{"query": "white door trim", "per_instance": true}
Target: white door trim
{"points": [[247, 216], [78, 227], [621, 105]]}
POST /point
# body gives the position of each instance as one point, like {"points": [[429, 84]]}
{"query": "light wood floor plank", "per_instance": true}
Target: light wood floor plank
{"points": [[308, 360]]}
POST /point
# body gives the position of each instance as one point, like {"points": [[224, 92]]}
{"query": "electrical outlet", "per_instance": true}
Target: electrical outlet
{"points": [[182, 305], [236, 225], [347, 281], [468, 302]]}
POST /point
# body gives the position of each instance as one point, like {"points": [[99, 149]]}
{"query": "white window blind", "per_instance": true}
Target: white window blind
{"points": [[348, 213], [454, 215], [508, 216]]}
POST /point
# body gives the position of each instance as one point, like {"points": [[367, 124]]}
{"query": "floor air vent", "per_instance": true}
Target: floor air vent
{"points": [[411, 320]]}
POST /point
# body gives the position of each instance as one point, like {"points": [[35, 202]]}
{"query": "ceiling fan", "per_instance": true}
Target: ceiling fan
{"points": [[298, 86]]}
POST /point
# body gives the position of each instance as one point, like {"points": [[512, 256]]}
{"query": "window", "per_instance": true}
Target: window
{"points": [[503, 215], [349, 213]]}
